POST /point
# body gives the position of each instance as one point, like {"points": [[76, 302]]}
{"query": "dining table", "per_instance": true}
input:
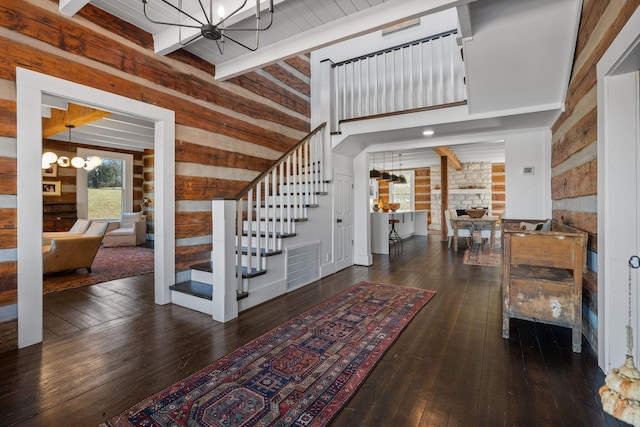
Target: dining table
{"points": [[485, 222]]}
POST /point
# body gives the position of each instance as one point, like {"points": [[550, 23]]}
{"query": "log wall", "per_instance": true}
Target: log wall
{"points": [[226, 132], [574, 142], [423, 192]]}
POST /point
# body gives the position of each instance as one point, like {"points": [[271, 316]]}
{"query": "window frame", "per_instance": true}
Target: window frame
{"points": [[82, 192], [410, 176]]}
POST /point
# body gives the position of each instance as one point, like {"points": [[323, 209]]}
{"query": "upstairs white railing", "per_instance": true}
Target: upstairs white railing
{"points": [[420, 74]]}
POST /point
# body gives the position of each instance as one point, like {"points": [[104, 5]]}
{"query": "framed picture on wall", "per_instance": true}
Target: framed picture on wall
{"points": [[50, 188], [51, 171]]}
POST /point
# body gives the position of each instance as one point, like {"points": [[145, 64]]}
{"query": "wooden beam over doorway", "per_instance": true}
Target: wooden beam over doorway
{"points": [[446, 152], [76, 115]]}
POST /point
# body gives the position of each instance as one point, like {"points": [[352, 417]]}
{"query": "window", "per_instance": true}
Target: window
{"points": [[403, 193], [107, 191]]}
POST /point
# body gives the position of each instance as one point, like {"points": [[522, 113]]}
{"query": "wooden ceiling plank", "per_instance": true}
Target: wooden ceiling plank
{"points": [[446, 152], [76, 115]]}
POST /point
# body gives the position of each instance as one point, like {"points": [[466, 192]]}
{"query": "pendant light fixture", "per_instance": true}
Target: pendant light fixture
{"points": [[212, 25], [77, 162], [386, 176], [403, 179], [374, 173], [394, 177]]}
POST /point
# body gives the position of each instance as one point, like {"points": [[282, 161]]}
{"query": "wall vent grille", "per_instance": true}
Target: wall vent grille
{"points": [[303, 264]]}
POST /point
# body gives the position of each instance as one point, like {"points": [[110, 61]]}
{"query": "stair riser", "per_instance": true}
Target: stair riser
{"points": [[246, 242], [194, 303], [295, 213], [202, 276], [268, 226], [292, 200]]}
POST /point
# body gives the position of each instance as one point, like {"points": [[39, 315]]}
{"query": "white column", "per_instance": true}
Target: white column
{"points": [[225, 304]]}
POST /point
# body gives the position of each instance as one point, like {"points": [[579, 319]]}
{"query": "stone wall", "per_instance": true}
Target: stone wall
{"points": [[476, 174]]}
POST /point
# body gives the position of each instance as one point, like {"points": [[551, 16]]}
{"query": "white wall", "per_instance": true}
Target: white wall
{"points": [[528, 196]]}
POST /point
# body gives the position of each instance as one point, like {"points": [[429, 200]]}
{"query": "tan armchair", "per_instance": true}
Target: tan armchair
{"points": [[78, 229], [72, 253]]}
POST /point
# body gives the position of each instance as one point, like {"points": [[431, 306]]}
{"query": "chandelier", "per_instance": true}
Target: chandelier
{"points": [[49, 157], [212, 27]]}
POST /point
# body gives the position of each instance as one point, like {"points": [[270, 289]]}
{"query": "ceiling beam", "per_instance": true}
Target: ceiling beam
{"points": [[464, 23], [363, 22], [446, 152], [76, 115], [71, 7]]}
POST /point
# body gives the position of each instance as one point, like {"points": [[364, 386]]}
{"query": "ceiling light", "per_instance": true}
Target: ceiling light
{"points": [[428, 132], [210, 29], [77, 162]]}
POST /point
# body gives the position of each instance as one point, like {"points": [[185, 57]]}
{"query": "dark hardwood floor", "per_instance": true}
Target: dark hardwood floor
{"points": [[108, 346]]}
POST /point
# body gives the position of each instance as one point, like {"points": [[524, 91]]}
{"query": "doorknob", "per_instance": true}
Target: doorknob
{"points": [[338, 220]]}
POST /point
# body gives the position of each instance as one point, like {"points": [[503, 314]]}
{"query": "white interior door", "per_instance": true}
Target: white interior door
{"points": [[618, 192], [344, 221]]}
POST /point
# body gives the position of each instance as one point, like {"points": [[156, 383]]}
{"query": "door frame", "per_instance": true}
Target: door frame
{"points": [[30, 87], [618, 107]]}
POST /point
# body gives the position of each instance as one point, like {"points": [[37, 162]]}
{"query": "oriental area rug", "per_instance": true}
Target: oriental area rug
{"points": [[109, 264], [299, 374], [479, 255]]}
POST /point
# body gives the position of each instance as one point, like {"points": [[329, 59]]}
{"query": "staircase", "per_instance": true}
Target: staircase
{"points": [[250, 235]]}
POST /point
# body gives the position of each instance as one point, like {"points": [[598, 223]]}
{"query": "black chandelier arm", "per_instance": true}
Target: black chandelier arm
{"points": [[254, 29], [191, 40], [144, 10], [252, 49]]}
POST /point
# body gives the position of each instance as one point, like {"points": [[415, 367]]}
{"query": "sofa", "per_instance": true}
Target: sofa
{"points": [[78, 230], [67, 253], [130, 230]]}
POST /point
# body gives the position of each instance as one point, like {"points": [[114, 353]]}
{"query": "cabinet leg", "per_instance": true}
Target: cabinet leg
{"points": [[576, 335], [505, 326]]}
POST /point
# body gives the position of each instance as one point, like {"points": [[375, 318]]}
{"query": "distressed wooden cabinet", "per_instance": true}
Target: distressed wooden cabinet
{"points": [[542, 276]]}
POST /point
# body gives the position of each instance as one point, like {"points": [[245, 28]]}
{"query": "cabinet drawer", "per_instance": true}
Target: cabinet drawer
{"points": [[552, 302]]}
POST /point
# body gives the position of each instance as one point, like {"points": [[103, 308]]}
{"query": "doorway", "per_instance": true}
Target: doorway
{"points": [[618, 193], [30, 87]]}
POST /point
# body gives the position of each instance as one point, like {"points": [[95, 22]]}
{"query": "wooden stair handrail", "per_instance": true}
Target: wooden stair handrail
{"points": [[278, 162]]}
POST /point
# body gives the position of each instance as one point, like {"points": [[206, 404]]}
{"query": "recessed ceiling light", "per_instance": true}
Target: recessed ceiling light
{"points": [[428, 132]]}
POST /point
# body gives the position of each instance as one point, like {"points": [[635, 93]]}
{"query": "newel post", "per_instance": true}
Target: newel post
{"points": [[225, 304]]}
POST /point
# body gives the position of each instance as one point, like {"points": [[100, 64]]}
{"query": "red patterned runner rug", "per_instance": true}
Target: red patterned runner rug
{"points": [[299, 374], [479, 255], [109, 264]]}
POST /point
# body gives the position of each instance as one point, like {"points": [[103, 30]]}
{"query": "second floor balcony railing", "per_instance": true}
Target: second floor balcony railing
{"points": [[420, 74]]}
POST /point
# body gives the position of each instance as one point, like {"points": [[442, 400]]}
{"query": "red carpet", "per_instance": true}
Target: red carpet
{"points": [[299, 374], [479, 255], [109, 264]]}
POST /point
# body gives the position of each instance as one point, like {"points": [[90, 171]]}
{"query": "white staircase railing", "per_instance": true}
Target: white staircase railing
{"points": [[420, 74], [266, 211]]}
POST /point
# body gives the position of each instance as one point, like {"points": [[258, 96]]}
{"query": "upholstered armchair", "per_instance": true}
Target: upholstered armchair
{"points": [[129, 231], [78, 229], [73, 253]]}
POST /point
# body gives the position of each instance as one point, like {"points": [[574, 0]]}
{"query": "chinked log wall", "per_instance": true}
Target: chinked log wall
{"points": [[574, 143], [226, 132]]}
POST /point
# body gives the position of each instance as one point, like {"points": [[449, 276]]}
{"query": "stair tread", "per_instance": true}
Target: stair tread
{"points": [[263, 251], [195, 288], [254, 272], [306, 205], [279, 235], [208, 267]]}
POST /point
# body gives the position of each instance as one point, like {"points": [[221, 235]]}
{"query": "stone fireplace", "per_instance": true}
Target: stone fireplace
{"points": [[469, 187]]}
